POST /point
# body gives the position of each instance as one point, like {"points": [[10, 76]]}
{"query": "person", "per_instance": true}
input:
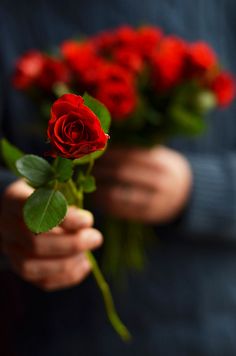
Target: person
{"points": [[183, 303]]}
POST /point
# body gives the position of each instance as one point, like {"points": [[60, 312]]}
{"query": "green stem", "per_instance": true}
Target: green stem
{"points": [[78, 194], [90, 166], [115, 321]]}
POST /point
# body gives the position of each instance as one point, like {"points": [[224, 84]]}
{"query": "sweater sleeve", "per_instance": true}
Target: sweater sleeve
{"points": [[212, 206]]}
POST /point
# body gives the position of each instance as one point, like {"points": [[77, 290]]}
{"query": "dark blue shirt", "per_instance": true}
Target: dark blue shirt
{"points": [[184, 303]]}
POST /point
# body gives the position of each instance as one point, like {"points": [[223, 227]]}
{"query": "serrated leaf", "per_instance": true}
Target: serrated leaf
{"points": [[44, 209], [63, 169], [100, 110], [89, 184], [10, 155], [35, 169]]}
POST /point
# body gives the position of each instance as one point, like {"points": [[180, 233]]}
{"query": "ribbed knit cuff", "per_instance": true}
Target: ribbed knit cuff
{"points": [[212, 206]]}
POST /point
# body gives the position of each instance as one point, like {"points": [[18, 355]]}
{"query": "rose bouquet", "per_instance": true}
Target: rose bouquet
{"points": [[155, 86], [77, 133]]}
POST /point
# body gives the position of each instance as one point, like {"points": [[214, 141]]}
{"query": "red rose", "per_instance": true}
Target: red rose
{"points": [[120, 99], [109, 41], [103, 42], [53, 72], [114, 74], [28, 70], [200, 58], [128, 59], [37, 70], [125, 36], [83, 61], [116, 90], [73, 129], [148, 39], [167, 63], [223, 87]]}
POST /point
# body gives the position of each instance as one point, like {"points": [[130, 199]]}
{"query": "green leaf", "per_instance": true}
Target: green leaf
{"points": [[63, 168], [36, 169], [44, 209], [10, 155], [100, 110], [186, 122], [89, 184], [65, 189]]}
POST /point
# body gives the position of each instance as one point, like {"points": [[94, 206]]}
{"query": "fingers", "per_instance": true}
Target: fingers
{"points": [[127, 174], [55, 244], [72, 236], [53, 274], [148, 157], [66, 280], [77, 219], [125, 202], [14, 198]]}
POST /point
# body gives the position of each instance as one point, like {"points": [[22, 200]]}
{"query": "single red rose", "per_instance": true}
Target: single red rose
{"points": [[53, 72], [35, 69], [71, 50], [116, 90], [167, 63], [28, 69], [148, 39], [128, 59], [224, 88], [83, 62], [103, 42], [200, 58], [114, 74], [108, 41], [119, 98], [125, 37], [73, 129]]}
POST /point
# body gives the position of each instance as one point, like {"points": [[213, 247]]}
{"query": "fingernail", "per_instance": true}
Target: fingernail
{"points": [[84, 217], [94, 236]]}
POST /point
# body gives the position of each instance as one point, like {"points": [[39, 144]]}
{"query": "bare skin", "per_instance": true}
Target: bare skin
{"points": [[52, 260], [148, 185]]}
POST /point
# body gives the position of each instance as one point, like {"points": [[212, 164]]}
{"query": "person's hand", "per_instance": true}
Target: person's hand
{"points": [[148, 185], [51, 260]]}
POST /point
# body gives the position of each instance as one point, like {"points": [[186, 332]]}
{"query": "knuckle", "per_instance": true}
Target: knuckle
{"points": [[75, 245], [84, 268]]}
